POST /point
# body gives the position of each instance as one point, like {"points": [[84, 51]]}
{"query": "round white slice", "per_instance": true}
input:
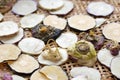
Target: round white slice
{"points": [[31, 45], [24, 7], [80, 77], [90, 73], [100, 8], [38, 76], [99, 21], [31, 20], [81, 22], [66, 39], [24, 64], [9, 52], [115, 67], [51, 4], [112, 31], [68, 6], [63, 54], [1, 17], [105, 57], [17, 77], [54, 73], [55, 21], [13, 38], [8, 28]]}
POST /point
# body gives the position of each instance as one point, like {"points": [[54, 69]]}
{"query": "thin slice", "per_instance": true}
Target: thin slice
{"points": [[13, 38], [66, 39], [24, 64], [1, 17], [68, 6], [99, 21], [54, 73], [63, 54], [51, 4], [91, 73], [31, 20], [115, 67], [17, 77], [81, 22], [38, 76], [8, 28], [55, 21], [105, 57], [9, 52], [31, 45], [112, 31], [24, 7], [80, 77], [100, 8]]}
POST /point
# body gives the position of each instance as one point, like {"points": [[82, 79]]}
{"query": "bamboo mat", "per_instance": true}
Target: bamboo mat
{"points": [[80, 8]]}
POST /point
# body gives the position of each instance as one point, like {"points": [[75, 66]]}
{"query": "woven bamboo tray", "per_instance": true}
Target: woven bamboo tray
{"points": [[80, 8]]}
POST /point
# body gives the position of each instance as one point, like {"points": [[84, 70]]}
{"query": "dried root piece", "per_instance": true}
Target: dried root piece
{"points": [[9, 52], [24, 64], [100, 9], [81, 22], [51, 4]]}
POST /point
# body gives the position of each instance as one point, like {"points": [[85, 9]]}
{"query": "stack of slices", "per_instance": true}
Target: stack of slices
{"points": [[58, 7]]}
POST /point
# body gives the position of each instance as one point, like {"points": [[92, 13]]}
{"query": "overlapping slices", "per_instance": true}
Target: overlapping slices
{"points": [[9, 52], [13, 38], [31, 45], [8, 28], [49, 73], [81, 22], [24, 7], [100, 8], [31, 20], [55, 21], [68, 6], [66, 39], [89, 73], [24, 64], [111, 31]]}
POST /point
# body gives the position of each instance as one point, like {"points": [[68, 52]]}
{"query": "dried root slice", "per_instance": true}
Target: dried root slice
{"points": [[81, 22], [38, 76], [63, 54], [54, 73], [66, 39], [105, 57], [8, 28], [24, 64], [90, 73], [68, 6], [31, 45], [112, 31], [9, 52], [115, 67], [55, 21], [31, 20], [100, 9], [13, 38], [24, 7], [81, 77], [1, 17], [99, 21], [51, 4], [17, 77]]}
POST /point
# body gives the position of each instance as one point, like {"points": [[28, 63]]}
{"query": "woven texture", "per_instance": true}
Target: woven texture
{"points": [[80, 8]]}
